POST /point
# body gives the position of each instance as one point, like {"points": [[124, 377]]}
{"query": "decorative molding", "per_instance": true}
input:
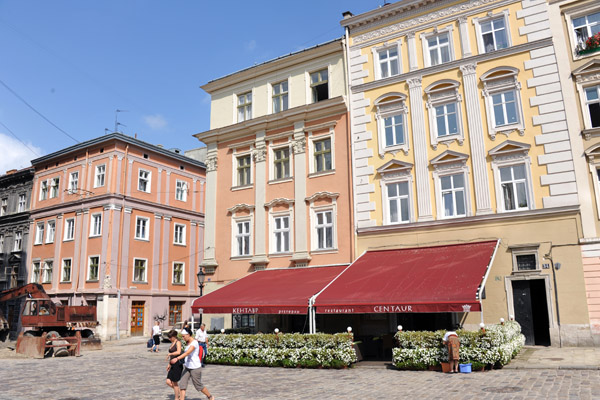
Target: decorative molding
{"points": [[299, 145], [240, 207], [211, 163], [260, 154], [509, 150], [322, 195], [414, 82], [449, 160], [468, 69], [280, 201]]}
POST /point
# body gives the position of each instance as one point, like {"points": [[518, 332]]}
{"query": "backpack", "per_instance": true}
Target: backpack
{"points": [[150, 343]]}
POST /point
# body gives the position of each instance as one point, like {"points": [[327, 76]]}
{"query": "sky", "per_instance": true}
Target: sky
{"points": [[66, 66]]}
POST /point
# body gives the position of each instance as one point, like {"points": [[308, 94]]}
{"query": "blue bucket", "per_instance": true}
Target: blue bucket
{"points": [[465, 368]]}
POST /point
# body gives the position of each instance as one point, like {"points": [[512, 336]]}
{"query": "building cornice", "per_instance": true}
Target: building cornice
{"points": [[306, 113], [508, 216], [452, 64]]}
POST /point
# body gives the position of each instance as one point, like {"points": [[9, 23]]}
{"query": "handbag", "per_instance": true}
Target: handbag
{"points": [[150, 343]]}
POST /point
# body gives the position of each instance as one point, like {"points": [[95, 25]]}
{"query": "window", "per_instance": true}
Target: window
{"points": [[179, 235], [446, 119], [585, 27], [494, 35], [242, 238], [181, 189], [66, 270], [54, 184], [388, 62], [502, 99], [69, 229], [438, 49], [453, 195], [397, 196], [18, 241], [142, 228], [4, 207], [44, 190], [525, 258], [322, 155], [280, 97], [144, 180], [324, 229], [39, 233], [35, 272], [100, 173], [96, 225], [139, 270], [22, 202], [50, 232], [244, 321], [514, 187], [47, 272], [281, 233], [243, 170], [93, 272], [319, 86], [174, 313], [244, 107], [526, 262], [592, 104], [391, 123], [281, 163], [73, 182], [178, 269]]}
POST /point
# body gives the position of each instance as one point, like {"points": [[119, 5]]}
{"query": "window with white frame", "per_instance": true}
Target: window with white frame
{"points": [[392, 123], [281, 234], [35, 272], [18, 241], [244, 107], [396, 192], [387, 61], [322, 155], [398, 202], [592, 105], [324, 229], [244, 164], [142, 228], [96, 225], [179, 234], [54, 185], [4, 207], [443, 104], [139, 270], [493, 32], [100, 175], [525, 258], [584, 27], [319, 85], [39, 233], [22, 202], [69, 229], [242, 238], [50, 231], [280, 96], [513, 182], [503, 101], [437, 46], [67, 264], [73, 182], [181, 189], [43, 190], [451, 184], [452, 188], [178, 273], [281, 163], [47, 272], [144, 180], [93, 268]]}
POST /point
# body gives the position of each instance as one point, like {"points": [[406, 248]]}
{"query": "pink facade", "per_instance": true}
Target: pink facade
{"points": [[118, 223]]}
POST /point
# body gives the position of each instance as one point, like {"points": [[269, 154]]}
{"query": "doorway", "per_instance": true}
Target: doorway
{"points": [[137, 318], [531, 310]]}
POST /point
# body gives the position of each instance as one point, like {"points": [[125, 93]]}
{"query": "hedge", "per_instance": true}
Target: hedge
{"points": [[496, 347], [283, 350]]}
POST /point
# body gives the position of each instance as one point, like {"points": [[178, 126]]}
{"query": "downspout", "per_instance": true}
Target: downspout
{"points": [[120, 252], [487, 273]]}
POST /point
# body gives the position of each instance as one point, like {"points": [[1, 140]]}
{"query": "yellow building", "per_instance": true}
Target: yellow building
{"points": [[459, 134]]}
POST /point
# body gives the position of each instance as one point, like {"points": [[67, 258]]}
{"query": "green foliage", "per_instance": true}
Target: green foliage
{"points": [[496, 346], [288, 350]]}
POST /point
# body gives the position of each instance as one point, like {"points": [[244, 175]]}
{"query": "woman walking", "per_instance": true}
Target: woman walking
{"points": [[175, 370], [156, 336]]}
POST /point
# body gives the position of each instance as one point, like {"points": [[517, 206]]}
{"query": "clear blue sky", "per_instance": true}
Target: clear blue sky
{"points": [[76, 62]]}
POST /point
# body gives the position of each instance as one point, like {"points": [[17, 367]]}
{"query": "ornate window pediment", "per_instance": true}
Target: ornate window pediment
{"points": [[590, 71], [240, 207], [449, 159], [509, 150], [394, 169], [279, 201], [502, 94], [321, 196]]}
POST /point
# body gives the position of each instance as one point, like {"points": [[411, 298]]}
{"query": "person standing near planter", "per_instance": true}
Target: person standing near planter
{"points": [[192, 367], [202, 338], [453, 342]]}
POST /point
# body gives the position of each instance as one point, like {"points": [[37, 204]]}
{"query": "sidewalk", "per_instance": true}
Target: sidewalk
{"points": [[537, 357]]}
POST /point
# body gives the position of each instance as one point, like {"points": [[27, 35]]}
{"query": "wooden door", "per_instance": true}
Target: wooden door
{"points": [[137, 318]]}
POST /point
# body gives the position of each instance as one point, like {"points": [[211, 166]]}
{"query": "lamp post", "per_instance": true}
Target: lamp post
{"points": [[201, 276]]}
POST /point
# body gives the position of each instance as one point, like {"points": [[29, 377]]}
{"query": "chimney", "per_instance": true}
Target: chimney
{"points": [[347, 14]]}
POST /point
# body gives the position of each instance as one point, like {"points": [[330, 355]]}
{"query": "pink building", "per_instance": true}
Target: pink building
{"points": [[278, 171], [118, 223]]}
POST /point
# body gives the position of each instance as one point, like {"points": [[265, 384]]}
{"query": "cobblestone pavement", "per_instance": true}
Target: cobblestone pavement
{"points": [[130, 372]]}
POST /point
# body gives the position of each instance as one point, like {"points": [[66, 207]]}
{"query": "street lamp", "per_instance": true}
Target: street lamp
{"points": [[201, 275]]}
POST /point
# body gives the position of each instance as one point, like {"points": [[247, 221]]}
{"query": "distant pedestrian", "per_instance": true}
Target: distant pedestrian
{"points": [[202, 338], [191, 368], [175, 370], [453, 342], [156, 336]]}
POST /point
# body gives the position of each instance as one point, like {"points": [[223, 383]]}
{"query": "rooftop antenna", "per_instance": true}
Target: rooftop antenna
{"points": [[117, 123], [106, 131]]}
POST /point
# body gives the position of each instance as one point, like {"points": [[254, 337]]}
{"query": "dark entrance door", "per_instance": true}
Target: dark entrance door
{"points": [[531, 311]]}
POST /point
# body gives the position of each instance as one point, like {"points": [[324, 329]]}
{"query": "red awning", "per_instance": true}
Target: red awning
{"points": [[275, 291], [427, 279]]}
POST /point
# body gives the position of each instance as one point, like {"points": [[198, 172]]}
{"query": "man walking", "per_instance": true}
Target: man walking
{"points": [[202, 338], [191, 368]]}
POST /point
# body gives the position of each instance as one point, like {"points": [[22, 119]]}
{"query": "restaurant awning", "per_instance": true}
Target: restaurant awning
{"points": [[271, 291], [426, 279]]}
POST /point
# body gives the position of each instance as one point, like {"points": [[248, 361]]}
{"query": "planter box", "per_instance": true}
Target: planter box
{"points": [[445, 367]]}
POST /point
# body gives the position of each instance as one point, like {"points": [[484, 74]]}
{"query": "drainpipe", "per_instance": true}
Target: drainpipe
{"points": [[548, 257], [118, 314]]}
